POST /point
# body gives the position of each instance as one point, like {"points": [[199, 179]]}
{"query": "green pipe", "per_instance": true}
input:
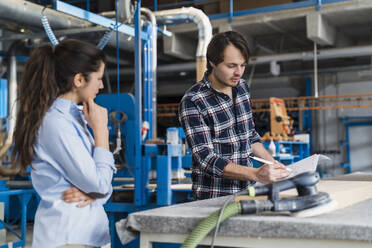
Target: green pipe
{"points": [[209, 223]]}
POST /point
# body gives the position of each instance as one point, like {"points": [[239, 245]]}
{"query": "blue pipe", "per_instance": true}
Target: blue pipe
{"points": [[147, 56], [231, 11], [140, 187], [319, 6], [301, 4], [308, 122], [304, 3], [347, 136], [117, 53]]}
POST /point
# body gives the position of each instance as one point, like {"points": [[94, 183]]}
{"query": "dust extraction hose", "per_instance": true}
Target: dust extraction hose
{"points": [[209, 223], [232, 209]]}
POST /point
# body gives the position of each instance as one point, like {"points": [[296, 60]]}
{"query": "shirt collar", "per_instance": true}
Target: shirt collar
{"points": [[208, 83], [66, 106]]}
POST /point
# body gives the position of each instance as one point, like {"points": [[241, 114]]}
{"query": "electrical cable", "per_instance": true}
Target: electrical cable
{"points": [[209, 223], [229, 199], [243, 192]]}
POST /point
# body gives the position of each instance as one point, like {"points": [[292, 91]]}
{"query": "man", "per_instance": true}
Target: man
{"points": [[216, 116]]}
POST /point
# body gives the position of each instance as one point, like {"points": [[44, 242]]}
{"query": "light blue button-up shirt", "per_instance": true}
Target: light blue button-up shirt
{"points": [[65, 156]]}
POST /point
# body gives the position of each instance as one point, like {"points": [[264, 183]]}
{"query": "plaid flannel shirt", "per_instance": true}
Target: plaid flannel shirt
{"points": [[219, 130]]}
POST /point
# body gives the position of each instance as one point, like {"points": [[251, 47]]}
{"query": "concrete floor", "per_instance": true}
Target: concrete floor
{"points": [[10, 237]]}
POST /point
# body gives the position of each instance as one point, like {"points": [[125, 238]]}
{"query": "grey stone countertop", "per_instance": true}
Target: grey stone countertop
{"points": [[351, 223]]}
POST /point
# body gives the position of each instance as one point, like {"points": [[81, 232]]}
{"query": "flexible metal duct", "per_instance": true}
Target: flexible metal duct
{"points": [[205, 32]]}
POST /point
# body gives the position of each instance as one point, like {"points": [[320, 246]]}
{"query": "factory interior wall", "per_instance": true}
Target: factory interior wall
{"points": [[328, 131], [281, 86]]}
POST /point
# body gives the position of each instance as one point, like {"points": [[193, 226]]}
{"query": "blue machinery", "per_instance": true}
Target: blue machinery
{"points": [[288, 152], [352, 121], [24, 196]]}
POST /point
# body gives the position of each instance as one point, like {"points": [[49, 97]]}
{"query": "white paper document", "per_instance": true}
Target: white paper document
{"points": [[308, 164]]}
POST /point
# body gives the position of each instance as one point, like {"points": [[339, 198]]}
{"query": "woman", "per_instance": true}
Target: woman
{"points": [[51, 135]]}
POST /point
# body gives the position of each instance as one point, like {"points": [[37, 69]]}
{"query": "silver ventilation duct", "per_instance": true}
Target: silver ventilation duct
{"points": [[204, 27]]}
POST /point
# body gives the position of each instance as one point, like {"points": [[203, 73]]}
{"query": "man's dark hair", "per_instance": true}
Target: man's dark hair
{"points": [[218, 44]]}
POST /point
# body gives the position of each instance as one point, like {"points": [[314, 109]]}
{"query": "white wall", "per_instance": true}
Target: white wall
{"points": [[277, 87], [329, 131]]}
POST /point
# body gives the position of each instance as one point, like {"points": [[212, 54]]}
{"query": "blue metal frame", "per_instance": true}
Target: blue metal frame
{"points": [[97, 19], [19, 58], [127, 106], [317, 3], [307, 120], [3, 98], [169, 5], [140, 189], [352, 121], [319, 6], [164, 32], [148, 81], [117, 52], [231, 10], [296, 151], [163, 158], [24, 196]]}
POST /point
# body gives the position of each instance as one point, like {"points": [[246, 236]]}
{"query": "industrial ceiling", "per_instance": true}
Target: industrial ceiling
{"points": [[336, 27]]}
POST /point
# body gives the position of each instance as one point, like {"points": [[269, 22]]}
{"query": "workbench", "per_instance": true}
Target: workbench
{"points": [[346, 227]]}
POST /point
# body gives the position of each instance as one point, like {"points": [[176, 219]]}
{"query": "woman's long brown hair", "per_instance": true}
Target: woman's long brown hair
{"points": [[48, 73]]}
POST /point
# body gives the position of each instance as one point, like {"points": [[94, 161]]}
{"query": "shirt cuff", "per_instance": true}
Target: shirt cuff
{"points": [[220, 164], [256, 138], [103, 156]]}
